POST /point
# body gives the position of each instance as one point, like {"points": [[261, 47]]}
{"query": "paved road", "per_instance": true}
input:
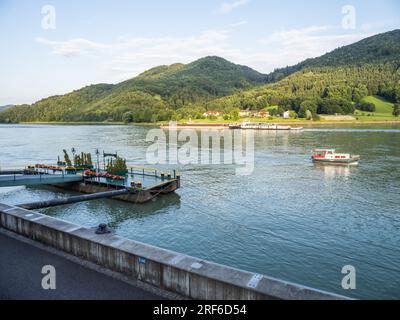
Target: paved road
{"points": [[21, 278]]}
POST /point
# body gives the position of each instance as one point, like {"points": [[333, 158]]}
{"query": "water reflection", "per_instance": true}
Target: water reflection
{"points": [[288, 219], [332, 171], [116, 212]]}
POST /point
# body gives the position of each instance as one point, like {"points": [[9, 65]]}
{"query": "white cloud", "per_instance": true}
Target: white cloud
{"points": [[74, 47], [127, 57], [238, 24], [227, 7], [293, 46], [383, 24]]}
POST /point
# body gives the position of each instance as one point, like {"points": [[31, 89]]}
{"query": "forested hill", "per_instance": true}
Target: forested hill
{"points": [[206, 78], [156, 91], [5, 107], [333, 83], [376, 49], [342, 77], [325, 90]]}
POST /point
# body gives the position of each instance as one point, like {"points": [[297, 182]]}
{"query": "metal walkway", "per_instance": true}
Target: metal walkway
{"points": [[27, 180]]}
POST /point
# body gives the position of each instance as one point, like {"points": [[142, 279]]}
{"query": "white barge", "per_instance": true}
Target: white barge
{"points": [[262, 126]]}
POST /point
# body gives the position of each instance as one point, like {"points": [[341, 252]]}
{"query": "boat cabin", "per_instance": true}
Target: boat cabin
{"points": [[321, 153], [329, 154]]}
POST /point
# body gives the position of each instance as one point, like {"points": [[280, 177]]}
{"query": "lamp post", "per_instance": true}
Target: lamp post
{"points": [[73, 155], [98, 161]]}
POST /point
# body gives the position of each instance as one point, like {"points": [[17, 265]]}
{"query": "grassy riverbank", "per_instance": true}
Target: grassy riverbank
{"points": [[364, 120]]}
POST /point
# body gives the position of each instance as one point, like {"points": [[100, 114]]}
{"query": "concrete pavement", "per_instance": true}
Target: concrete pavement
{"points": [[20, 276]]}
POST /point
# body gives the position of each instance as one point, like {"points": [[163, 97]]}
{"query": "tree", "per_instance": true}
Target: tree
{"points": [[293, 114], [335, 105], [280, 111], [359, 92], [273, 112], [127, 117], [310, 105], [396, 110], [366, 106], [67, 159], [397, 93], [325, 93], [302, 112], [234, 114]]}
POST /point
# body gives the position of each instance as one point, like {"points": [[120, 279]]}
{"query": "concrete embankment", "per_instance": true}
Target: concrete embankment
{"points": [[178, 273]]}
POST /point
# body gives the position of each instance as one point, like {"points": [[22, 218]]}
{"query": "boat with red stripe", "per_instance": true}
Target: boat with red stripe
{"points": [[331, 156]]}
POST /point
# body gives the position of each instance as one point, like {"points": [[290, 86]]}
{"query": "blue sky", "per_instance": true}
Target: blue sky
{"points": [[96, 41]]}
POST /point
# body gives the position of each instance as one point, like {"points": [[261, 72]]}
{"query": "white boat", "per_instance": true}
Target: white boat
{"points": [[262, 126], [331, 156]]}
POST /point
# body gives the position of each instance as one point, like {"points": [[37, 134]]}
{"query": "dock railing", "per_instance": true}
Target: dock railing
{"points": [[152, 172]]}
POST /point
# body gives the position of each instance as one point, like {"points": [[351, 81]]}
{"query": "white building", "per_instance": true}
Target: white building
{"points": [[286, 115]]}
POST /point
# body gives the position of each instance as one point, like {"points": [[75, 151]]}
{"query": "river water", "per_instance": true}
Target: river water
{"points": [[289, 219]]}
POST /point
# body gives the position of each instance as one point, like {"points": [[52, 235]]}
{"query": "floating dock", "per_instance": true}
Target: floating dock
{"points": [[24, 178], [142, 184]]}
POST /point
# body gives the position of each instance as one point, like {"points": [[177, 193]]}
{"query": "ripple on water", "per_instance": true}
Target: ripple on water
{"points": [[290, 219]]}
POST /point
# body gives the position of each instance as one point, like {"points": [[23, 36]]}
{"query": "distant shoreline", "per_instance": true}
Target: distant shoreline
{"points": [[219, 125]]}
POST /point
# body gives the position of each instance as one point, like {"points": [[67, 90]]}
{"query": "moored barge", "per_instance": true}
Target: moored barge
{"points": [[263, 126]]}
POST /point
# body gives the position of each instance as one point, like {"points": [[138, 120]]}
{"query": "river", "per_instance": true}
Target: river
{"points": [[289, 219]]}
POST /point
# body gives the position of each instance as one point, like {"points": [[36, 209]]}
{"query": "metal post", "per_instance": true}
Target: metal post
{"points": [[98, 161]]}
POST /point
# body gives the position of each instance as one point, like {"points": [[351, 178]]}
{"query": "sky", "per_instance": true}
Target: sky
{"points": [[53, 47]]}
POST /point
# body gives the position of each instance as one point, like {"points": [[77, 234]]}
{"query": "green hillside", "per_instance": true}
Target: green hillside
{"points": [[318, 86], [376, 49], [384, 109], [333, 83], [382, 106], [2, 108], [201, 80], [158, 92]]}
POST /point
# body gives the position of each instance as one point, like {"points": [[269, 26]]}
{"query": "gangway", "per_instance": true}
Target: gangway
{"points": [[18, 178]]}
